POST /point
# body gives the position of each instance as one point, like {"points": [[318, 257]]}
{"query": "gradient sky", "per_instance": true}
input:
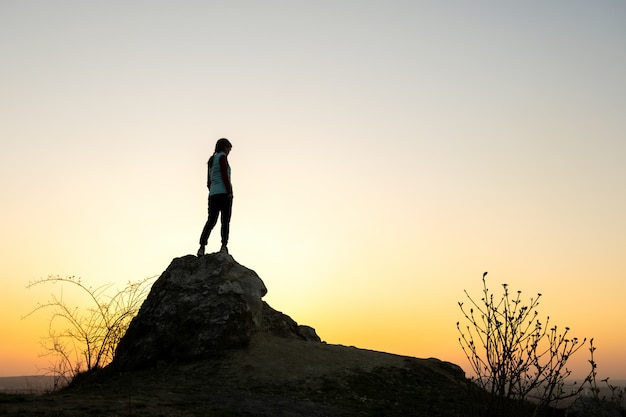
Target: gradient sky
{"points": [[385, 154]]}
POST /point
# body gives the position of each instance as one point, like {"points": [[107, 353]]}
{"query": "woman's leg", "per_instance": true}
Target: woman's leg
{"points": [[214, 211], [227, 209]]}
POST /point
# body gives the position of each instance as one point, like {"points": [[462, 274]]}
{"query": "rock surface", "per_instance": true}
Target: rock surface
{"points": [[198, 308]]}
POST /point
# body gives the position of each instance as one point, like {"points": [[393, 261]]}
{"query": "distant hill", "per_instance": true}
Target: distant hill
{"points": [[30, 384]]}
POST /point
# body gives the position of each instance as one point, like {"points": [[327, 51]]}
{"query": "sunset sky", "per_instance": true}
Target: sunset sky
{"points": [[385, 155]]}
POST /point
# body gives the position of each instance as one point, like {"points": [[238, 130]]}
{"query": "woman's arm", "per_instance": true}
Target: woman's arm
{"points": [[225, 177]]}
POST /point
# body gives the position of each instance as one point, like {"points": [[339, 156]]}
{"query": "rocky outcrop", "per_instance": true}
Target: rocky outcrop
{"points": [[199, 307]]}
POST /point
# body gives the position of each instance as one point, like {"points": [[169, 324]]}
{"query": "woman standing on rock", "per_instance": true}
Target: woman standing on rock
{"points": [[220, 194]]}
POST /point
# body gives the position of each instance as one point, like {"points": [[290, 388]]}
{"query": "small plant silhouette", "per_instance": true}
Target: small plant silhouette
{"points": [[616, 392], [513, 354], [84, 340]]}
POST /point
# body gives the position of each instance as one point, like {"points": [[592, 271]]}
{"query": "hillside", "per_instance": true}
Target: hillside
{"points": [[273, 376]]}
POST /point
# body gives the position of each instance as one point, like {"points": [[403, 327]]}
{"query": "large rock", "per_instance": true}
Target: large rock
{"points": [[198, 308]]}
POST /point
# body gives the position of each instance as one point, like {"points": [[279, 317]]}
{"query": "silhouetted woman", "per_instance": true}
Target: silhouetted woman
{"points": [[220, 194]]}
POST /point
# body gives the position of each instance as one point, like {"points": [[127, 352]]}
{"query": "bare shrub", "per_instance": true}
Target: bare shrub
{"points": [[85, 339], [514, 355]]}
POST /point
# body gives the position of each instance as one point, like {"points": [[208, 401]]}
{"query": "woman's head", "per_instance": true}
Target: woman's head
{"points": [[222, 145]]}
